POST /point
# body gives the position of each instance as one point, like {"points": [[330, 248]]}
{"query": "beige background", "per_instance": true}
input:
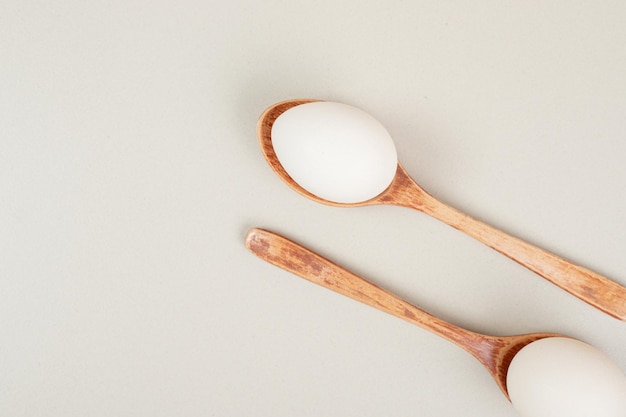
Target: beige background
{"points": [[130, 172]]}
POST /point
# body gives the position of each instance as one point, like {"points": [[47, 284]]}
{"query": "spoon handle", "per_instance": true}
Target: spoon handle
{"points": [[301, 261], [591, 287]]}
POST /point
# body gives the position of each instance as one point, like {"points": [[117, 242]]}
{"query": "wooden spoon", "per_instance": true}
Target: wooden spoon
{"points": [[494, 352], [595, 289]]}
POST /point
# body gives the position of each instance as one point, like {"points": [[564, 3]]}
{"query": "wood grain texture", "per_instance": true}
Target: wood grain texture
{"points": [[494, 352], [597, 290]]}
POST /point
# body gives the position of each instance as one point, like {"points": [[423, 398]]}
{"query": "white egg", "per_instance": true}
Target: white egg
{"points": [[336, 152], [563, 377]]}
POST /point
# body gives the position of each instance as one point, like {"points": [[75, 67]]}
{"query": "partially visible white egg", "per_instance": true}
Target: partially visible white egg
{"points": [[336, 152], [563, 377]]}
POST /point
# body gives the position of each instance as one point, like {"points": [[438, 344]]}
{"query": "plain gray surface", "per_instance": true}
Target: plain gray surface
{"points": [[130, 173]]}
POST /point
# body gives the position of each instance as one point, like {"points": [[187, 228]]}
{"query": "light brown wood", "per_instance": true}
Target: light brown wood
{"points": [[591, 287], [494, 352]]}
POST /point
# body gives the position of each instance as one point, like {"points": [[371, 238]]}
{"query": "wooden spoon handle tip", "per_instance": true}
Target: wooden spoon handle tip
{"points": [[305, 263]]}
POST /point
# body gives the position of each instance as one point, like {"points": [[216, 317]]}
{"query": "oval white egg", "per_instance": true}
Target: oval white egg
{"points": [[336, 152], [559, 376]]}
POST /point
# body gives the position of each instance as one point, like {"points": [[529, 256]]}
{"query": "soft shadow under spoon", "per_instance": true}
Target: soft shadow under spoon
{"points": [[595, 289]]}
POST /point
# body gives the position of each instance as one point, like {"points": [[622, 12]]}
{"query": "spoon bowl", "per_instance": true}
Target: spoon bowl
{"points": [[593, 288], [392, 195]]}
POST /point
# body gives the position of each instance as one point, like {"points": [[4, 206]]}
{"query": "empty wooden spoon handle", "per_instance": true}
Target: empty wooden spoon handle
{"points": [[599, 291], [593, 288], [494, 352], [305, 263]]}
